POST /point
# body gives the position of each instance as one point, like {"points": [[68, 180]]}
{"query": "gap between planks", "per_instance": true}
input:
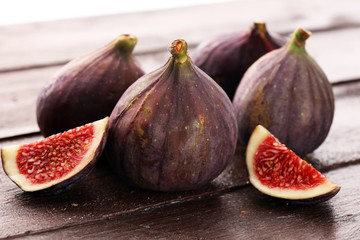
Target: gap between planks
{"points": [[336, 27], [136, 211], [33, 133], [131, 212]]}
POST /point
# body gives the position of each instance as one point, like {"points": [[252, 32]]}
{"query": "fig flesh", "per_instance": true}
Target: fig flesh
{"points": [[88, 87], [174, 129], [226, 58], [277, 171], [54, 164], [287, 92]]}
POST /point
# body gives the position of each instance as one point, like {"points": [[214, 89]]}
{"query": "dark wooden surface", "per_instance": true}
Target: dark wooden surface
{"points": [[103, 207]]}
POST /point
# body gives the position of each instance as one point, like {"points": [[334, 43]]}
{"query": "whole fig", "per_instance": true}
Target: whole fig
{"points": [[226, 58], [174, 129], [287, 92], [88, 87]]}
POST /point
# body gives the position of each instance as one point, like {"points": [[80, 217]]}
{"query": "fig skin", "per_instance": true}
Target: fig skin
{"points": [[287, 92], [174, 129], [226, 58], [88, 87], [319, 199]]}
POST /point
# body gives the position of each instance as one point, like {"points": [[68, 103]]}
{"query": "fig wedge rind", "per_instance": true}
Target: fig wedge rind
{"points": [[321, 192], [9, 162]]}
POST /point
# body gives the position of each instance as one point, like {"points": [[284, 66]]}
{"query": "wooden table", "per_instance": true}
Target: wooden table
{"points": [[103, 207]]}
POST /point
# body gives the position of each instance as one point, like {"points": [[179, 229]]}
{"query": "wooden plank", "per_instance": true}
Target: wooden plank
{"points": [[21, 88], [18, 97], [99, 197], [57, 42], [332, 49], [341, 146], [102, 206], [18, 100], [102, 195], [63, 40], [243, 213]]}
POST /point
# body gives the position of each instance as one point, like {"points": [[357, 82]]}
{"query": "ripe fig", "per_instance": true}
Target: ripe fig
{"points": [[54, 164], [277, 171], [88, 87], [287, 92], [226, 58], [174, 129]]}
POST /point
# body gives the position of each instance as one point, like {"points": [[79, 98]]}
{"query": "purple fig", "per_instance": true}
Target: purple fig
{"points": [[88, 87], [173, 129], [287, 92], [227, 57]]}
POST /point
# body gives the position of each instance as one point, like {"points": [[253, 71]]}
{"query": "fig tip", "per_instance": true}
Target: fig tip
{"points": [[179, 50], [125, 42], [261, 25], [298, 40]]}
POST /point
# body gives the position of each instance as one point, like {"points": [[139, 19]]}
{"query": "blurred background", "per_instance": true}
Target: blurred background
{"points": [[24, 11], [37, 37]]}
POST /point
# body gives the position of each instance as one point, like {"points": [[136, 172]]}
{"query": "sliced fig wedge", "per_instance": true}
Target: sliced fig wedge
{"points": [[58, 161], [277, 171]]}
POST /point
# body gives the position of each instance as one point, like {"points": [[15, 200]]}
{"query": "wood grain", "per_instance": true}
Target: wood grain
{"points": [[102, 196], [54, 43], [103, 207], [341, 146], [21, 88], [31, 53], [238, 214]]}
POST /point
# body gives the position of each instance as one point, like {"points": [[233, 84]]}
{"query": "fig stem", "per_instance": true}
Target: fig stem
{"points": [[125, 43], [259, 29], [259, 26], [179, 50], [297, 42]]}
